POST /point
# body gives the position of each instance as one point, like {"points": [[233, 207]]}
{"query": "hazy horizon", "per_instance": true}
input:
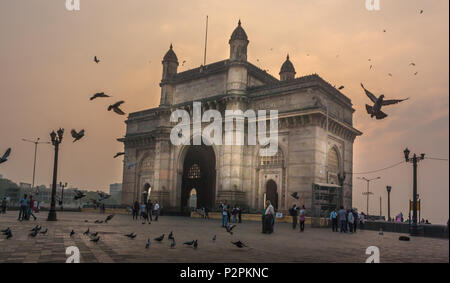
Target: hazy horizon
{"points": [[47, 76]]}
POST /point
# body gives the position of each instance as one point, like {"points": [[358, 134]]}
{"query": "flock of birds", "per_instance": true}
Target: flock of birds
{"points": [[94, 236]]}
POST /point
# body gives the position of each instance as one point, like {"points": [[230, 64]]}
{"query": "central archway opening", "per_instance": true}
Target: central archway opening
{"points": [[272, 193], [199, 173]]}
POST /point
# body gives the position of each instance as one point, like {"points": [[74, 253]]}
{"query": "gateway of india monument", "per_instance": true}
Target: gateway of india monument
{"points": [[315, 140]]}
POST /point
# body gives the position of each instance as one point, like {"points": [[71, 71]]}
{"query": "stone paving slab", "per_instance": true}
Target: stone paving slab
{"points": [[285, 245]]}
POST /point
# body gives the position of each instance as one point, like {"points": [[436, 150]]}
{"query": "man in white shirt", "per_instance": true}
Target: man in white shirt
{"points": [[156, 210], [269, 218]]}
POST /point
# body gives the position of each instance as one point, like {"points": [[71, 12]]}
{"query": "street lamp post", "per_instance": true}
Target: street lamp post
{"points": [[36, 143], [414, 160], [368, 193], [62, 186], [389, 188], [56, 140]]}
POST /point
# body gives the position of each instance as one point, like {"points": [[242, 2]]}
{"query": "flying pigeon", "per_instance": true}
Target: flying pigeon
{"points": [[77, 136], [96, 60], [421, 12], [119, 154], [415, 74], [295, 195], [229, 228], [390, 75], [182, 64], [79, 195], [4, 158], [341, 87], [371, 66], [147, 245], [115, 107], [160, 238], [375, 110], [412, 64], [98, 95], [239, 244], [109, 217]]}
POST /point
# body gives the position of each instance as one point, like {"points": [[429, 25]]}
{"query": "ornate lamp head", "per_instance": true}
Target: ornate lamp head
{"points": [[406, 152]]}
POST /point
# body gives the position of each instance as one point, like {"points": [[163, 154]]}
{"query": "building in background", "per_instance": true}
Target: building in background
{"points": [[115, 190], [315, 137]]}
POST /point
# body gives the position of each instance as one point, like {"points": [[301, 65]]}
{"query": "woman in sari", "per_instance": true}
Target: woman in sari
{"points": [[269, 213]]}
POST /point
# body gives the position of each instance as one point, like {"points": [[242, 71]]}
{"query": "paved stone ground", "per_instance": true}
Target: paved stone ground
{"points": [[285, 245]]}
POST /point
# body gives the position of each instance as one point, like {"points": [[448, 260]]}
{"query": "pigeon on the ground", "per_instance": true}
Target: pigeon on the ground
{"points": [[9, 234], [94, 234], [72, 233], [190, 243], [96, 239], [44, 232], [375, 110], [6, 230], [115, 107], [171, 236], [404, 238], [172, 245], [160, 238], [87, 232], [77, 135], [129, 235], [229, 228], [119, 154], [4, 157], [98, 95], [195, 244], [295, 195], [147, 245], [214, 238], [34, 233], [96, 60], [239, 244]]}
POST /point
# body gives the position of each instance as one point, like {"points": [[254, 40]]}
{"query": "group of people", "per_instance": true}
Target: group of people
{"points": [[298, 213], [230, 214], [27, 208], [145, 211], [348, 220]]}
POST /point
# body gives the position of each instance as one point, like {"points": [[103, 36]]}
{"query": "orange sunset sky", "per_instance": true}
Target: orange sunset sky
{"points": [[47, 76]]}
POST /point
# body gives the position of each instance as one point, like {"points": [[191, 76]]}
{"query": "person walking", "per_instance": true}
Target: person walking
{"points": [[269, 218], [351, 220], [150, 210], [356, 219], [294, 213], [135, 210], [334, 223], [143, 210], [30, 208], [4, 204], [302, 219], [343, 219], [234, 213], [229, 213], [156, 210], [23, 207], [240, 214], [224, 214]]}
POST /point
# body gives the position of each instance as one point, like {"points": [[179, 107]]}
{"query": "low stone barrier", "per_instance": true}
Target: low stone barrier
{"points": [[426, 230]]}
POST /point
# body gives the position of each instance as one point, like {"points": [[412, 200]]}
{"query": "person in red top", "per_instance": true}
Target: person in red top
{"points": [[31, 207]]}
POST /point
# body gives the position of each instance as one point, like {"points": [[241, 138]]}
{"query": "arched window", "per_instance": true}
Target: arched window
{"points": [[333, 166], [272, 161], [194, 172]]}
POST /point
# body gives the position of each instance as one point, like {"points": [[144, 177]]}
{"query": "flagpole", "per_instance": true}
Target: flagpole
{"points": [[206, 41]]}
